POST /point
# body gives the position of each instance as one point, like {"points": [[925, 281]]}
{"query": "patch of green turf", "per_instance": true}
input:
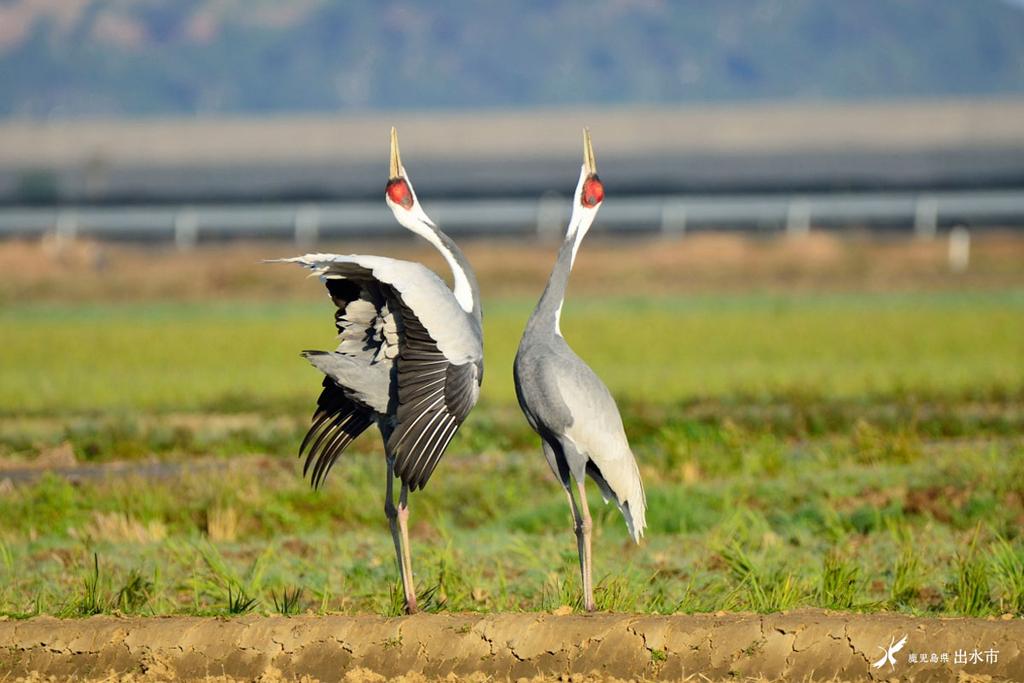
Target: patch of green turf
{"points": [[497, 535], [240, 356]]}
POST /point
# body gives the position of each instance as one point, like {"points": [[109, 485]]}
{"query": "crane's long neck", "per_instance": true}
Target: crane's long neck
{"points": [[465, 287], [547, 315]]}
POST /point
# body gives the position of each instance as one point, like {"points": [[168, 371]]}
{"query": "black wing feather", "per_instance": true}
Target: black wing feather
{"points": [[336, 423], [434, 398], [338, 420]]}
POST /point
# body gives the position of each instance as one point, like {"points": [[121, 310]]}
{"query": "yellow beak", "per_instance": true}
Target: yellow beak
{"points": [[588, 153], [396, 160]]}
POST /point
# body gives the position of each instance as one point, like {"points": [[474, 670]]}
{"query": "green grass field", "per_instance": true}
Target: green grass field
{"points": [[850, 451], [237, 355]]}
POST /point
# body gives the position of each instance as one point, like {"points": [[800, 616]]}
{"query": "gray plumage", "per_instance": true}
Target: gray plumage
{"points": [[572, 410], [576, 417]]}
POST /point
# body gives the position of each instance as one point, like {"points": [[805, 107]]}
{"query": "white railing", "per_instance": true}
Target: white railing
{"points": [[307, 222]]}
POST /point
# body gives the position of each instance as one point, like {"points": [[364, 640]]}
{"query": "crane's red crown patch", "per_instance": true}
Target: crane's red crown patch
{"points": [[593, 192], [399, 192]]}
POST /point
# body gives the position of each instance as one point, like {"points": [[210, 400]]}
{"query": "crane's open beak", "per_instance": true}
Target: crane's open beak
{"points": [[396, 160], [588, 154]]}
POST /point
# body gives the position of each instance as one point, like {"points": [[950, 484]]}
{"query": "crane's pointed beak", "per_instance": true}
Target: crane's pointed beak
{"points": [[588, 154], [396, 160]]}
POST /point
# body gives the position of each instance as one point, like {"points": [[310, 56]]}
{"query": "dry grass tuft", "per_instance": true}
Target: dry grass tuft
{"points": [[117, 527], [222, 523]]}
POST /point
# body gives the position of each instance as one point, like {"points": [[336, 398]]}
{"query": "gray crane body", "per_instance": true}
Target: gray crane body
{"points": [[571, 409], [568, 405]]}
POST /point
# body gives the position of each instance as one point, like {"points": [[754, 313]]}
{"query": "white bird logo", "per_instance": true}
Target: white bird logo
{"points": [[887, 657]]}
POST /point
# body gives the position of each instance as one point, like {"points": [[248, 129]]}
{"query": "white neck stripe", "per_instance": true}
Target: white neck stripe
{"points": [[418, 222]]}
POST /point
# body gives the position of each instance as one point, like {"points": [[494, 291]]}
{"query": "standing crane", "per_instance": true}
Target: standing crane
{"points": [[567, 404], [410, 358]]}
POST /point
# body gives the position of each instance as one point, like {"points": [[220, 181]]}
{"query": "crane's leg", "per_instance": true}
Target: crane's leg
{"points": [[392, 513], [585, 557], [554, 453], [577, 528], [403, 523], [582, 546]]}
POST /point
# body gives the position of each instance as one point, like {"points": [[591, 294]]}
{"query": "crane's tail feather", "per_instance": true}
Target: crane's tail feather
{"points": [[632, 503]]}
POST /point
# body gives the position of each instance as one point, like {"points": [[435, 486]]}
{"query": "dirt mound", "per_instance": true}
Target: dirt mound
{"points": [[799, 646]]}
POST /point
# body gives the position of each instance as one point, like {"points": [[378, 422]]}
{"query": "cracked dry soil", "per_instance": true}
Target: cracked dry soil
{"points": [[806, 645]]}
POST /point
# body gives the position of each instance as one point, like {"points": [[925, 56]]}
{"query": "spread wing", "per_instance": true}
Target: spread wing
{"points": [[350, 397], [415, 324], [899, 645], [434, 398]]}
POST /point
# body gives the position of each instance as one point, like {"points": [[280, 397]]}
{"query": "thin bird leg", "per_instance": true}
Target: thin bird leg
{"points": [[588, 580], [403, 523], [392, 513], [577, 527]]}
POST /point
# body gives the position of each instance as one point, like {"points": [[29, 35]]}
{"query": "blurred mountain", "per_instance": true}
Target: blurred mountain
{"points": [[83, 58]]}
